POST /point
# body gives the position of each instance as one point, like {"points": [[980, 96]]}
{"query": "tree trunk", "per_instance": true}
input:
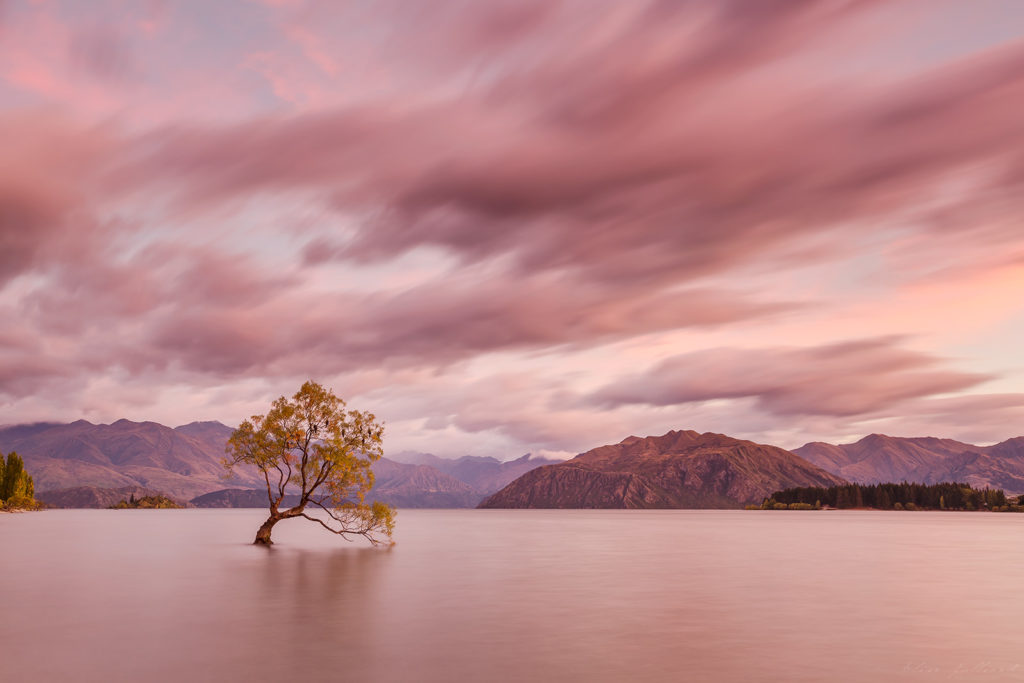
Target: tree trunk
{"points": [[263, 535]]}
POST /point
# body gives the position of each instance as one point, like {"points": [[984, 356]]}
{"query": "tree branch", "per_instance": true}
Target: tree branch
{"points": [[288, 478], [325, 471], [270, 496], [305, 457], [328, 527]]}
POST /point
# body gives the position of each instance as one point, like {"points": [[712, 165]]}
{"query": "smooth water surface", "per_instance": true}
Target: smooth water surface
{"points": [[514, 595]]}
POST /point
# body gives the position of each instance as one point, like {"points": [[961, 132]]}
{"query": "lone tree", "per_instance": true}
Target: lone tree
{"points": [[312, 447]]}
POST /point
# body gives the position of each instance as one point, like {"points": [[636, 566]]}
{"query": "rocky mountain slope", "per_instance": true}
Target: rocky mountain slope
{"points": [[182, 462], [419, 486], [927, 460], [680, 469]]}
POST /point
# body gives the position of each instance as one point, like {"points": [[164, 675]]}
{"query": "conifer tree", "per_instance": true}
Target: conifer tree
{"points": [[15, 483], [13, 472]]}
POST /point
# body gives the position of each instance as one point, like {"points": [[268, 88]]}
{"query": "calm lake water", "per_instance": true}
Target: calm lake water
{"points": [[517, 595]]}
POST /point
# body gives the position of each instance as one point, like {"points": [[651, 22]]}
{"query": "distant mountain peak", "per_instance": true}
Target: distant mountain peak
{"points": [[670, 435], [203, 423]]}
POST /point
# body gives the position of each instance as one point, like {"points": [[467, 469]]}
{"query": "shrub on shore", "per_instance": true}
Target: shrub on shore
{"points": [[146, 503]]}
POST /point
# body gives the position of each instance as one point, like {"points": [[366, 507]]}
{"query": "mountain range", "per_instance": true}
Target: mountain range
{"points": [[95, 465], [680, 469], [183, 462], [879, 458]]}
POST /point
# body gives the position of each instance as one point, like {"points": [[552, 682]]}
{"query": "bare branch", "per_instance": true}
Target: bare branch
{"points": [[325, 471], [328, 511], [327, 526], [270, 496], [366, 533], [280, 481], [305, 456]]}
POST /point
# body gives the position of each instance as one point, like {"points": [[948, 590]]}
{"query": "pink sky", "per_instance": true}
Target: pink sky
{"points": [[518, 226]]}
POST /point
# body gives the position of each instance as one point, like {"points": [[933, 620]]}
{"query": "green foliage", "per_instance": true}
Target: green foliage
{"points": [[903, 496], [17, 490], [146, 503], [312, 444], [772, 504], [13, 471], [21, 502], [995, 498]]}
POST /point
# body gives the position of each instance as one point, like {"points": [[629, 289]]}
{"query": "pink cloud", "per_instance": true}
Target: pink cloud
{"points": [[47, 175], [646, 184], [843, 380], [437, 323], [653, 175]]}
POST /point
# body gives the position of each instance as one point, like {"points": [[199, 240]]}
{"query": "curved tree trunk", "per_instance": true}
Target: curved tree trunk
{"points": [[263, 535]]}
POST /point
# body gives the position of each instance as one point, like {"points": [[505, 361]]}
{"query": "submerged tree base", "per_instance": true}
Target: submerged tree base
{"points": [[263, 534]]}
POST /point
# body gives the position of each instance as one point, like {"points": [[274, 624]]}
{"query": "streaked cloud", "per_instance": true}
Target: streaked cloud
{"points": [[842, 380], [523, 225]]}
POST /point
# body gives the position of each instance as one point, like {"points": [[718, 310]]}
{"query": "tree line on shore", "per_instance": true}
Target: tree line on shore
{"points": [[902, 496], [17, 490]]}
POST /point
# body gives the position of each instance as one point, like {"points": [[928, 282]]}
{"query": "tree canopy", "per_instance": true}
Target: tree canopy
{"points": [[942, 496], [17, 490], [312, 446]]}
